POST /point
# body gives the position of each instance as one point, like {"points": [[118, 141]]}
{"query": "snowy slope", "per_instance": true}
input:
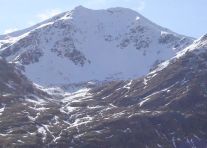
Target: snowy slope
{"points": [[83, 45]]}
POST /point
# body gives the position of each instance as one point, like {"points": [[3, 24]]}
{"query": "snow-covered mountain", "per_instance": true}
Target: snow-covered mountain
{"points": [[84, 45]]}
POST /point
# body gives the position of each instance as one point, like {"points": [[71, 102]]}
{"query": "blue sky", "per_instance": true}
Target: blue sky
{"points": [[183, 16]]}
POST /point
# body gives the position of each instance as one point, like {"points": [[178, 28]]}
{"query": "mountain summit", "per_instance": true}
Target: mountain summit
{"points": [[84, 45]]}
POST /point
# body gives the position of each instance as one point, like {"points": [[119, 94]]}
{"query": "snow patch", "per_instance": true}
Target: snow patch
{"points": [[2, 109], [127, 86], [42, 131]]}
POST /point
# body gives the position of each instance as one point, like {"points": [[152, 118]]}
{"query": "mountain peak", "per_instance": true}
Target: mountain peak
{"points": [[82, 39], [111, 10], [80, 7], [122, 9]]}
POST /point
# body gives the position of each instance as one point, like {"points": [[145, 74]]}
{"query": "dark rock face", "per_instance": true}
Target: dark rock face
{"points": [[137, 37], [29, 57], [66, 48], [11, 80]]}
